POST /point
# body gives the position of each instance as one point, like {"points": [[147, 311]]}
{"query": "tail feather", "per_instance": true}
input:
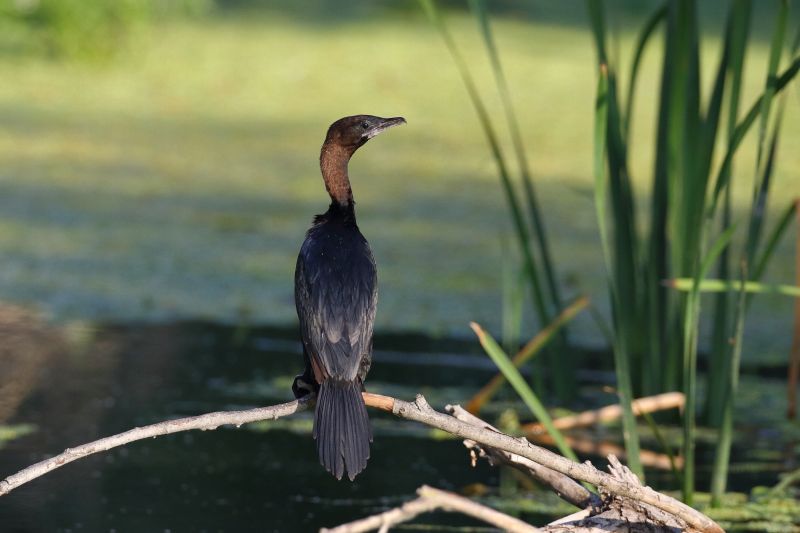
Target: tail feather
{"points": [[341, 428]]}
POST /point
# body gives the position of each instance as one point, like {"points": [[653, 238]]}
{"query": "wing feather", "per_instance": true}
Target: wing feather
{"points": [[336, 297]]}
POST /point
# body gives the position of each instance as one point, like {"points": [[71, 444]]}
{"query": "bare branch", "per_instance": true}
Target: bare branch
{"points": [[404, 513], [649, 404], [565, 487], [418, 411], [453, 502], [431, 499], [590, 446], [205, 422]]}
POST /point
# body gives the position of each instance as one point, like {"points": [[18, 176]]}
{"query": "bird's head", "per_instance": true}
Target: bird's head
{"points": [[353, 132]]}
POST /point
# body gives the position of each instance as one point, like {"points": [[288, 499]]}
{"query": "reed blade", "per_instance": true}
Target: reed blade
{"points": [[517, 217], [794, 358], [527, 395], [561, 363], [620, 339], [774, 238], [722, 456], [737, 34], [529, 351], [649, 28], [723, 174]]}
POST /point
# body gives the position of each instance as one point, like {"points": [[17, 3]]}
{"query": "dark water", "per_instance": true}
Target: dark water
{"points": [[87, 382], [110, 379]]}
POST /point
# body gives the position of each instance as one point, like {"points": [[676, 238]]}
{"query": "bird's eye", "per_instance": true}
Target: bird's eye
{"points": [[365, 125]]}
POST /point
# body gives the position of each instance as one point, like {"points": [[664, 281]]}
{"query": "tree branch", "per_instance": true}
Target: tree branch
{"points": [[385, 520], [418, 411], [565, 487], [205, 422], [649, 404], [431, 499]]}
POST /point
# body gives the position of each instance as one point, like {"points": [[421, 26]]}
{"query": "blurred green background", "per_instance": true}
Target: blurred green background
{"points": [[159, 159], [159, 169]]}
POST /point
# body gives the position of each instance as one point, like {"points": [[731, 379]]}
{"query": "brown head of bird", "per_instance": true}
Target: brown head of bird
{"points": [[344, 137]]}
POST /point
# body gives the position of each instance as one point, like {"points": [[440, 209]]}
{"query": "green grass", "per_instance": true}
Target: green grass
{"points": [[179, 180]]}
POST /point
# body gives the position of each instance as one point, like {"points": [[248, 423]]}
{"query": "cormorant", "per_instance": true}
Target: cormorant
{"points": [[336, 291]]}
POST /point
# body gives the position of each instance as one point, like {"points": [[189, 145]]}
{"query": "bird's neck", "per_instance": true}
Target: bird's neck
{"points": [[333, 161]]}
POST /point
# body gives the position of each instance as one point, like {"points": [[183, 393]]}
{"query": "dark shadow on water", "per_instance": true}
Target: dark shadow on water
{"points": [[92, 382]]}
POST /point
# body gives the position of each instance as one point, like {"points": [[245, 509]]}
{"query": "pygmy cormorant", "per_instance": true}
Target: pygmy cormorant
{"points": [[336, 291]]}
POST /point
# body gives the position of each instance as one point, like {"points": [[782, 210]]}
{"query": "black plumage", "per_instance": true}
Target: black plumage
{"points": [[336, 292]]}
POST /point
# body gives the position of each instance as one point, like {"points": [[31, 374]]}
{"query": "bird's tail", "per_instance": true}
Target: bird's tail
{"points": [[341, 428]]}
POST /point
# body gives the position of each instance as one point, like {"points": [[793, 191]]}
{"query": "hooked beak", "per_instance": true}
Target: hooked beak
{"points": [[383, 125]]}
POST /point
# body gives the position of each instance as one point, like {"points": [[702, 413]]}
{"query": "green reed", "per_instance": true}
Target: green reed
{"points": [[658, 259], [528, 222], [655, 328]]}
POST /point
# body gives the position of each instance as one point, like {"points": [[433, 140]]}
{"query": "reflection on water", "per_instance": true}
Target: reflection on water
{"points": [[79, 383]]}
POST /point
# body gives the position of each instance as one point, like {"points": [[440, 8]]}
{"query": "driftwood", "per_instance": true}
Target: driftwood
{"points": [[431, 499], [622, 515], [591, 446], [650, 404], [615, 515], [564, 486], [623, 500]]}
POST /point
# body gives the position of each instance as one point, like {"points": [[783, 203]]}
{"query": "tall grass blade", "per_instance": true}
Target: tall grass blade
{"points": [[655, 331], [646, 33], [679, 187], [794, 359], [765, 167], [516, 380], [479, 9], [600, 178], [722, 456], [620, 341], [685, 184], [512, 302], [764, 163], [761, 186], [737, 33], [530, 350], [776, 49], [521, 229], [561, 363], [741, 130], [774, 238], [662, 326], [760, 201], [691, 320], [708, 139], [662, 442]]}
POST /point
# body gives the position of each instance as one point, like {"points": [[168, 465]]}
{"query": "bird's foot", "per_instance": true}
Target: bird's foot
{"points": [[302, 386]]}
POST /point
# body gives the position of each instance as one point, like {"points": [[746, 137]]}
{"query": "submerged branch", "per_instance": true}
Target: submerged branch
{"points": [[431, 499], [420, 411], [649, 404], [565, 487]]}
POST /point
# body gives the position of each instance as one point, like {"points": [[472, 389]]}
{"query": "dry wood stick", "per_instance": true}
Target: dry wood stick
{"points": [[431, 499], [650, 404], [419, 411]]}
